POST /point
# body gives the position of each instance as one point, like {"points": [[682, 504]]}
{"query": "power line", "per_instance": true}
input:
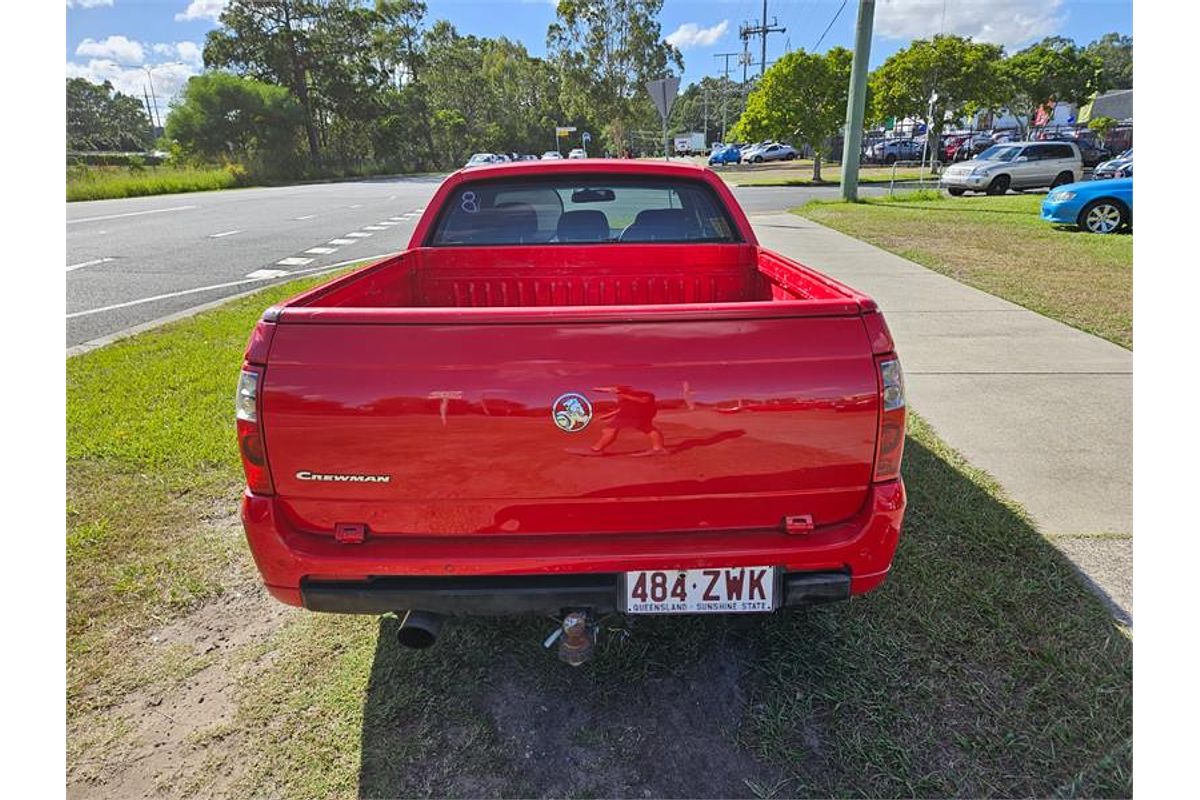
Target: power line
{"points": [[836, 14]]}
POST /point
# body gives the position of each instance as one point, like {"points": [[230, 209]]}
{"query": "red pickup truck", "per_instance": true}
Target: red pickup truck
{"points": [[583, 389]]}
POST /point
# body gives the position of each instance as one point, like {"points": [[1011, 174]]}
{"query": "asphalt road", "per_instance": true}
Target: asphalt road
{"points": [[137, 260]]}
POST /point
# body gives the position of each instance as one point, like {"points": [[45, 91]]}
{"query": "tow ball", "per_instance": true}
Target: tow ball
{"points": [[576, 638]]}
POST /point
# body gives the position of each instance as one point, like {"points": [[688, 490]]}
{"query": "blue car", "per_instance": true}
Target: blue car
{"points": [[1104, 206], [726, 155]]}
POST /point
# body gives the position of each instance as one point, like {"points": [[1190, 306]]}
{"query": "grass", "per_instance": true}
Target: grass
{"points": [[1000, 245], [799, 173], [152, 470], [983, 667], [104, 183]]}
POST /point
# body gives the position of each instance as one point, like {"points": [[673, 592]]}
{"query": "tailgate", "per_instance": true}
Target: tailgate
{"points": [[456, 429]]}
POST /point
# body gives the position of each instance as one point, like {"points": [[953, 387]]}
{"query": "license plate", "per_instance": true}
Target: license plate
{"points": [[717, 590]]}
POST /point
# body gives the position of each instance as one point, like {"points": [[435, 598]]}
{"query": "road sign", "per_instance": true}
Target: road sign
{"points": [[663, 94], [587, 137], [563, 131]]}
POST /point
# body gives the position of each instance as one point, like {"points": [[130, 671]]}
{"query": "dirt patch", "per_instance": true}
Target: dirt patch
{"points": [[667, 736], [162, 736]]}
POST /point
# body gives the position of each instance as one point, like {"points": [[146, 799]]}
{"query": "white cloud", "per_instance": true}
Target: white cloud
{"points": [[188, 52], [202, 9], [1012, 23], [88, 3], [117, 48], [689, 34]]}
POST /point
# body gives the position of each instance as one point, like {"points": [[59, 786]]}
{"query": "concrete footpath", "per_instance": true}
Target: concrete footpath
{"points": [[1044, 408]]}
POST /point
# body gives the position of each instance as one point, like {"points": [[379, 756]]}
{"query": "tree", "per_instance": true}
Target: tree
{"points": [[1102, 126], [801, 98], [699, 107], [271, 40], [1116, 54], [959, 74], [604, 52], [99, 118], [1053, 70], [224, 117]]}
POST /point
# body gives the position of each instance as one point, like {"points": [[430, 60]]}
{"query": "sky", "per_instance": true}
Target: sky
{"points": [[127, 41]]}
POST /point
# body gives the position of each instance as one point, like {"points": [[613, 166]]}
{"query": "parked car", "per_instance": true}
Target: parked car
{"points": [[1090, 151], [1018, 165], [1103, 206], [967, 147], [551, 155], [469, 428], [725, 155], [578, 152], [890, 151], [775, 151], [480, 159], [1119, 167]]}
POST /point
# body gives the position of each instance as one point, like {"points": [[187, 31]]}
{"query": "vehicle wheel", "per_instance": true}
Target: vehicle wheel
{"points": [[955, 191], [999, 184], [1063, 179], [890, 158], [756, 160], [790, 157], [1103, 216]]}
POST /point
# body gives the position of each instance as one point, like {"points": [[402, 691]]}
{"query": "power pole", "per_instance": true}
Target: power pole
{"points": [[856, 102], [761, 30], [725, 90]]}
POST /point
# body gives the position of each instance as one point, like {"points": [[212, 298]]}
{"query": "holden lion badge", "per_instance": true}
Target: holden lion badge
{"points": [[572, 412]]}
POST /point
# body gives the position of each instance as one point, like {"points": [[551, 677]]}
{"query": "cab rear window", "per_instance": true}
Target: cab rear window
{"points": [[581, 210]]}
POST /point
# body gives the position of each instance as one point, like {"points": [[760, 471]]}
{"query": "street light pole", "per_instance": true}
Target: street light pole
{"points": [[155, 118]]}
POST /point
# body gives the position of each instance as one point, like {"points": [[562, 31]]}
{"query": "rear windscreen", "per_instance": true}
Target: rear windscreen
{"points": [[581, 210]]}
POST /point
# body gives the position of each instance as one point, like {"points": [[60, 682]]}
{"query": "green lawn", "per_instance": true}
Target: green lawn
{"points": [[799, 173], [1000, 245], [983, 667]]}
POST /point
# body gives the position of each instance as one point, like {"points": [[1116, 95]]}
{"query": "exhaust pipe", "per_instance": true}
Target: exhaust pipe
{"points": [[419, 629]]}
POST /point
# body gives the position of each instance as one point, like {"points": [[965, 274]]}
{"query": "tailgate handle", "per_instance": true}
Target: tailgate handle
{"points": [[349, 532], [802, 523]]}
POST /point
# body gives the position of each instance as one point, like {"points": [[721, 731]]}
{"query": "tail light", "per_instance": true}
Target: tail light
{"points": [[890, 448], [249, 433]]}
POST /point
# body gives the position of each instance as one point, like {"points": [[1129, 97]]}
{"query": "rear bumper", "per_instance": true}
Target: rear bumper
{"points": [[522, 594], [392, 572]]}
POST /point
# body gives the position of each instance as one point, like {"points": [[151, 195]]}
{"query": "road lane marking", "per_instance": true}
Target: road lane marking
{"points": [[221, 234], [373, 228], [395, 219], [306, 216], [356, 205], [419, 210], [156, 298], [130, 214], [267, 273], [342, 242], [386, 224], [93, 262], [293, 261], [321, 251], [359, 235]]}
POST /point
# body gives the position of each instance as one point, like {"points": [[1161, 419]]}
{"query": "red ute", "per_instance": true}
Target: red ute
{"points": [[583, 389]]}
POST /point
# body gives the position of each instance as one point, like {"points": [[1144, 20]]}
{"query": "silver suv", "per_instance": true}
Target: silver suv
{"points": [[1016, 165]]}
